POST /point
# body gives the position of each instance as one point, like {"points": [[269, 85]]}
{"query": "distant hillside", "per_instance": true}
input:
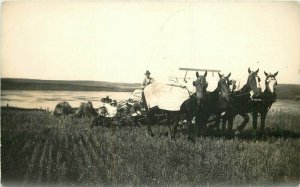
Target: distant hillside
{"points": [[284, 91], [35, 84], [288, 91]]}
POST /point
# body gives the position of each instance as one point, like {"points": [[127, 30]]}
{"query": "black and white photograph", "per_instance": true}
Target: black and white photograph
{"points": [[150, 93]]}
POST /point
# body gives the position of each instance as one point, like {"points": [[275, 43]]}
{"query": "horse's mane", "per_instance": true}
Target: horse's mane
{"points": [[244, 89]]}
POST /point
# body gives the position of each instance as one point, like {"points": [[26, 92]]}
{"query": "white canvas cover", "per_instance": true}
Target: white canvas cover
{"points": [[164, 96], [136, 95]]}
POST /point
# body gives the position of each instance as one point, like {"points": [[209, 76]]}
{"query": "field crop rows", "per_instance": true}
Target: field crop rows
{"points": [[38, 148]]}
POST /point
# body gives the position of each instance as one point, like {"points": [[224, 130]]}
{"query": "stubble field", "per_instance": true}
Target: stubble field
{"points": [[38, 148]]}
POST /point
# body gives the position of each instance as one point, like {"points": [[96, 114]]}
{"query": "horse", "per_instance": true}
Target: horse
{"points": [[185, 106], [190, 108], [202, 104], [263, 105], [232, 88], [242, 100], [214, 103]]}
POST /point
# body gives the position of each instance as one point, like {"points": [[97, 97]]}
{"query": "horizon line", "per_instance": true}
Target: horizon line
{"points": [[95, 80], [67, 80]]}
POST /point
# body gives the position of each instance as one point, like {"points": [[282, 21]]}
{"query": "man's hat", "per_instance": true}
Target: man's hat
{"points": [[147, 72]]}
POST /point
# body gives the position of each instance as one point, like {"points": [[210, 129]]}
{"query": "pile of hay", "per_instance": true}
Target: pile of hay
{"points": [[86, 110], [63, 109]]}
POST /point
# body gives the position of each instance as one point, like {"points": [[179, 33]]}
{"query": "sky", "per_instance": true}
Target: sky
{"points": [[119, 41]]}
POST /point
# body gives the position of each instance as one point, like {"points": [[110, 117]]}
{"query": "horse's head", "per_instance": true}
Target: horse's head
{"points": [[254, 82], [271, 81], [232, 85], [223, 86], [200, 84]]}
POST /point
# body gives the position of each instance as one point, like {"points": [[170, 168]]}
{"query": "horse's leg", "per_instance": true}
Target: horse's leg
{"points": [[150, 120], [191, 129], [204, 125], [254, 115], [149, 129], [244, 123], [227, 118], [149, 115], [201, 123], [224, 120], [230, 123], [263, 120], [230, 114], [198, 125], [217, 122], [191, 136], [175, 117]]}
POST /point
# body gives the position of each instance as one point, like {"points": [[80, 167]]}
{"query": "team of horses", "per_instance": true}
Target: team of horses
{"points": [[224, 103]]}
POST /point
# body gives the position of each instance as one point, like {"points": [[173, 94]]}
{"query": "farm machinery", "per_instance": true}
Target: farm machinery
{"points": [[133, 111]]}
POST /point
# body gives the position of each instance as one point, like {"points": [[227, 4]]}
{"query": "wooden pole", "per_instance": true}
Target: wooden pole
{"points": [[195, 69]]}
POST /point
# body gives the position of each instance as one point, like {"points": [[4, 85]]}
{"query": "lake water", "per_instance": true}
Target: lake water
{"points": [[49, 99]]}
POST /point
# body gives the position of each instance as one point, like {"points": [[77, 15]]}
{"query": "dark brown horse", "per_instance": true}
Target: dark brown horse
{"points": [[192, 106], [232, 88], [242, 100], [218, 101], [262, 106]]}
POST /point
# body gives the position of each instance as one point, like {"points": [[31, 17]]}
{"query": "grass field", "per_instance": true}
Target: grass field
{"points": [[38, 148]]}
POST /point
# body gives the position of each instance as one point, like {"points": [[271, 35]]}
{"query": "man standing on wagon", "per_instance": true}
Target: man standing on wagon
{"points": [[148, 80]]}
